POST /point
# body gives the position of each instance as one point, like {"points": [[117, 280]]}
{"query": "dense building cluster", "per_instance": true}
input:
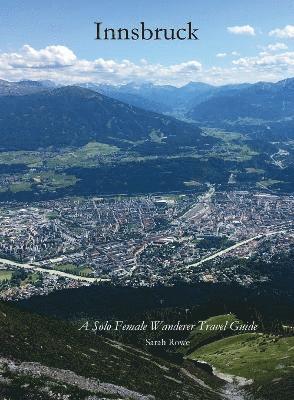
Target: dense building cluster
{"points": [[146, 240]]}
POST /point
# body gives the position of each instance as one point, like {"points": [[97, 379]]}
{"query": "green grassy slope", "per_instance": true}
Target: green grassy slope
{"points": [[27, 337], [202, 337], [266, 359]]}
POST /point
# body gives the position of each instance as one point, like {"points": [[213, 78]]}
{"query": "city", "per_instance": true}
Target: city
{"points": [[140, 240]]}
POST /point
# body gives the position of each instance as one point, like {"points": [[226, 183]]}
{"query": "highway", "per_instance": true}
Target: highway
{"points": [[228, 249], [51, 271], [93, 280]]}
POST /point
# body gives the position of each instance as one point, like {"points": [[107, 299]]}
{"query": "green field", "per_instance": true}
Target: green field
{"points": [[192, 183], [199, 337], [30, 158], [223, 135], [74, 269], [255, 171], [86, 156], [233, 147], [5, 275], [100, 167], [267, 183], [52, 181], [20, 187], [48, 181], [33, 277], [256, 356], [156, 136]]}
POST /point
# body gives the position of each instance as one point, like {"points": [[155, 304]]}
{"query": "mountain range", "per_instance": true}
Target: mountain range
{"points": [[262, 101], [24, 87], [198, 134], [163, 98], [74, 116], [242, 105], [263, 110]]}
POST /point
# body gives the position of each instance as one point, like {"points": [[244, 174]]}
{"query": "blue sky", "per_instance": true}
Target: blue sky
{"points": [[239, 41]]}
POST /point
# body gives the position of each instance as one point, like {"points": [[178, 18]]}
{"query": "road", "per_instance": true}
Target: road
{"points": [[51, 271], [235, 246], [93, 280]]}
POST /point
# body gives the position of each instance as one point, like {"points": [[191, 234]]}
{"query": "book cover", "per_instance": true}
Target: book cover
{"points": [[146, 200]]}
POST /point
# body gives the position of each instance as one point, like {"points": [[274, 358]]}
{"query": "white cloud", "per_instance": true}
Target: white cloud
{"points": [[277, 46], [60, 64], [28, 57], [286, 32], [241, 30], [267, 60], [223, 55], [266, 67]]}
